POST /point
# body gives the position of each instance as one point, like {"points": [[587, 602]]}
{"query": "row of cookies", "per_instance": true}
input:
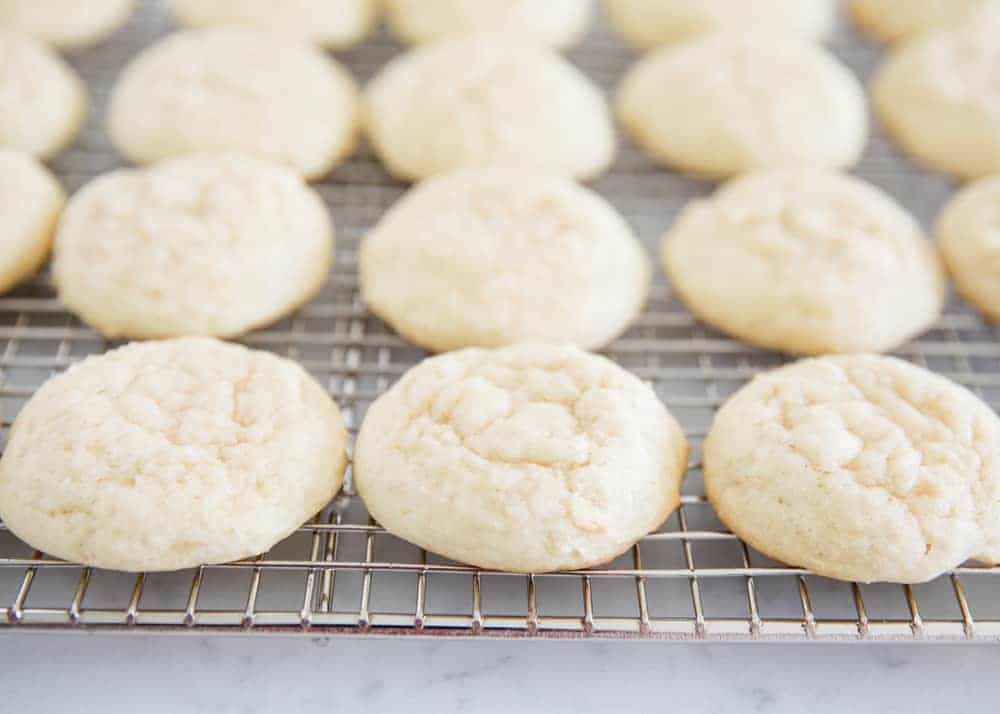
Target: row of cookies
{"points": [[170, 454]]}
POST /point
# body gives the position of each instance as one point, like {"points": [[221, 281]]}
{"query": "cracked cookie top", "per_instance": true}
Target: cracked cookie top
{"points": [[526, 458], [861, 468], [205, 245], [493, 257], [806, 262], [168, 455]]}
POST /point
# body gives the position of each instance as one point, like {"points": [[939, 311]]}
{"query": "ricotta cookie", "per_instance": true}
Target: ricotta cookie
{"points": [[42, 101], [726, 104], [645, 24], [170, 455], [69, 25], [234, 89], [860, 468], [484, 258], [938, 96], [530, 458], [486, 102], [968, 234], [899, 20], [807, 263], [195, 246], [30, 203], [337, 24], [556, 23]]}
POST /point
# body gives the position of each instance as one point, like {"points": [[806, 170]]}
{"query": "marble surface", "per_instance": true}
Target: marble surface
{"points": [[48, 673]]}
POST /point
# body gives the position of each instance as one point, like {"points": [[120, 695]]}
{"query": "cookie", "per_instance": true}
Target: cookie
{"points": [[234, 89], [491, 257], [725, 104], [168, 455], [474, 103], [937, 96], [900, 20], [861, 468], [556, 23], [30, 203], [66, 25], [645, 24], [337, 24], [968, 234], [805, 262], [195, 246], [530, 458], [42, 101]]}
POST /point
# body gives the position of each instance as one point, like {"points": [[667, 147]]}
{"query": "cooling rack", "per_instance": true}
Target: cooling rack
{"points": [[342, 574]]}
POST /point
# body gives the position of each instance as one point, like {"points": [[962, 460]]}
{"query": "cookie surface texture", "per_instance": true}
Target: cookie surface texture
{"points": [[31, 201], [484, 258], [806, 263], [529, 458], [726, 104], [860, 468], [486, 102], [196, 246], [169, 455], [42, 101], [234, 89]]}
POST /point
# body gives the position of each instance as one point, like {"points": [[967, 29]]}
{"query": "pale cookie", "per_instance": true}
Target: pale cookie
{"points": [[859, 468], [30, 203], [42, 101], [807, 263], [645, 24], [529, 458], [939, 98], [484, 258], [556, 23], [968, 234], [486, 102], [169, 455], [195, 246], [66, 24], [232, 89], [337, 24], [900, 20], [726, 104]]}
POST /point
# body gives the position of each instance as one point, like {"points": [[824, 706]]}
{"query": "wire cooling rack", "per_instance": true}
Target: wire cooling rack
{"points": [[341, 573]]}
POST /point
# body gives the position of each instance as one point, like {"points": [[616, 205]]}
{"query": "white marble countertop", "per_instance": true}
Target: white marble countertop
{"points": [[151, 674]]}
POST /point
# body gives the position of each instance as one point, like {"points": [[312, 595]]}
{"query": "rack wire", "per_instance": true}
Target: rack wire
{"points": [[341, 573]]}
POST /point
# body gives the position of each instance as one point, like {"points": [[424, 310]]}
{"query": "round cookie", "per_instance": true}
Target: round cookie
{"points": [[530, 458], [939, 98], [556, 23], [968, 234], [337, 24], [491, 257], [42, 101], [475, 103], [859, 468], [235, 89], [897, 20], [30, 203], [168, 455], [645, 24], [807, 263], [69, 25], [195, 246], [726, 104]]}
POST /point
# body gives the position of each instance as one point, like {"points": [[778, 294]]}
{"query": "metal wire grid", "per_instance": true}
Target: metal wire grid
{"points": [[341, 573]]}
